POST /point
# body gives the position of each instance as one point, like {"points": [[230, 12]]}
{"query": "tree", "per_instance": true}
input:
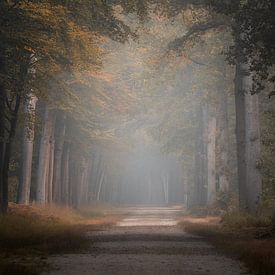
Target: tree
{"points": [[247, 145], [42, 184], [27, 154], [60, 131]]}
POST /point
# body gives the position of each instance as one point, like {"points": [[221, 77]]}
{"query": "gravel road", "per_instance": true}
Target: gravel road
{"points": [[146, 241]]}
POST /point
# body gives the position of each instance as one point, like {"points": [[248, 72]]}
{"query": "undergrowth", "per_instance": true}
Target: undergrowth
{"points": [[28, 234], [240, 234]]}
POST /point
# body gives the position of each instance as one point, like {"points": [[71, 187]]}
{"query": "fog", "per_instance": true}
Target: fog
{"points": [[156, 95], [137, 137]]}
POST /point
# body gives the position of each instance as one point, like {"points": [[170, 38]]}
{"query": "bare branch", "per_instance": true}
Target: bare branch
{"points": [[198, 29]]}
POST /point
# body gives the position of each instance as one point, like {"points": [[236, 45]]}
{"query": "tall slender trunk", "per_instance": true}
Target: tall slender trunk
{"points": [[84, 181], [7, 155], [211, 161], [80, 190], [27, 154], [9, 110], [60, 131], [97, 175], [163, 179], [2, 154], [44, 156], [74, 174], [253, 152], [50, 170], [101, 180], [201, 158], [150, 189], [167, 188], [222, 142], [5, 187], [91, 176], [2, 143], [248, 139], [92, 187], [65, 174]]}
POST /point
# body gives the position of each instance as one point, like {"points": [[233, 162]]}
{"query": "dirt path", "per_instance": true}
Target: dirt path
{"points": [[147, 241]]}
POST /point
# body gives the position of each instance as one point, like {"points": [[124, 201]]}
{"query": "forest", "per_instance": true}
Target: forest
{"points": [[120, 114]]}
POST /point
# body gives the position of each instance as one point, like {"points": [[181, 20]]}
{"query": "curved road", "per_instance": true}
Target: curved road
{"points": [[147, 241]]}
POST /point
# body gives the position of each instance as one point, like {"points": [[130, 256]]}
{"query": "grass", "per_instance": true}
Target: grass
{"points": [[18, 232], [241, 235], [28, 234]]}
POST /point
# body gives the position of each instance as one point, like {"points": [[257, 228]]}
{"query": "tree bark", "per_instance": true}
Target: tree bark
{"points": [[102, 173], [65, 174], [211, 162], [201, 158], [74, 177], [253, 152], [9, 115], [44, 156], [27, 154], [222, 142], [60, 132], [5, 187], [50, 169], [83, 198], [7, 155], [248, 139], [2, 144]]}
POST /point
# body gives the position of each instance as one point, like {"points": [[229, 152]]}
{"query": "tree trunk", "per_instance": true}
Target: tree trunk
{"points": [[74, 177], [2, 144], [100, 184], [150, 189], [7, 155], [211, 162], [59, 144], [167, 188], [97, 175], [201, 158], [84, 182], [253, 152], [27, 154], [5, 188], [248, 140], [222, 142], [2, 155], [44, 156], [92, 176], [65, 174], [50, 170]]}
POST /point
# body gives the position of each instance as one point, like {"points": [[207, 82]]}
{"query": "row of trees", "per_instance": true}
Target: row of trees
{"points": [[49, 52], [251, 52], [252, 26], [71, 100]]}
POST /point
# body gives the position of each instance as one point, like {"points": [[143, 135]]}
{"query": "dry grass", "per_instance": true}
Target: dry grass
{"points": [[50, 228], [240, 235], [29, 233]]}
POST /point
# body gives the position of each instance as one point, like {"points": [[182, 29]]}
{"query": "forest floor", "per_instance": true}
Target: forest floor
{"points": [[29, 234], [105, 240], [146, 241], [238, 235]]}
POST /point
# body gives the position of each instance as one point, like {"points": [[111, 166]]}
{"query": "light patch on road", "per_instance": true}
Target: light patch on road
{"points": [[147, 222], [150, 217]]}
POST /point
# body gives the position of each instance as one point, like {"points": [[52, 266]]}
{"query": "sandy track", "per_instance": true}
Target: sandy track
{"points": [[147, 241]]}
